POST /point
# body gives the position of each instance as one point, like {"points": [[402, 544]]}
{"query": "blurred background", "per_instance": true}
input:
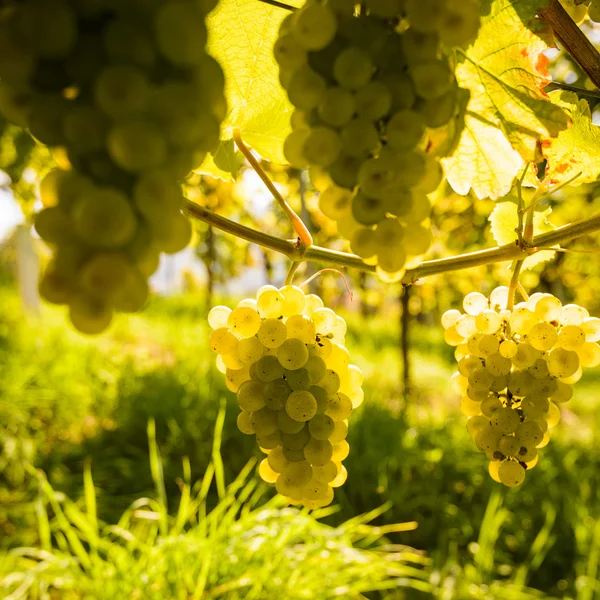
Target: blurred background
{"points": [[75, 413]]}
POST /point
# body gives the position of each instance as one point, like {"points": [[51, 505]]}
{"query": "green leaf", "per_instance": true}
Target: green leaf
{"points": [[223, 164], [505, 71], [576, 150], [504, 221], [241, 38]]}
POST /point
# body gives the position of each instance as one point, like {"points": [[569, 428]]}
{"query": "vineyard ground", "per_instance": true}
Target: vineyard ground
{"points": [[64, 398]]}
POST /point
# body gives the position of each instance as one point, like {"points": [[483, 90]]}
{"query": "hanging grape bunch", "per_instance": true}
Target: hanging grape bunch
{"points": [[579, 9], [365, 89], [514, 368], [128, 89], [284, 356]]}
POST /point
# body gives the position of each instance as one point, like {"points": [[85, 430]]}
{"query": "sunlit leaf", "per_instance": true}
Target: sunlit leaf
{"points": [[505, 71], [224, 164], [576, 150], [241, 38], [504, 221]]}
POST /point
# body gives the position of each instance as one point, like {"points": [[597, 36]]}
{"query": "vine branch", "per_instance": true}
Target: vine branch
{"points": [[573, 39], [289, 248], [299, 227]]}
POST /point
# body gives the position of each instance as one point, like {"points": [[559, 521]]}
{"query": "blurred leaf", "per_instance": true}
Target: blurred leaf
{"points": [[505, 70], [576, 150], [241, 38], [504, 221], [224, 164]]}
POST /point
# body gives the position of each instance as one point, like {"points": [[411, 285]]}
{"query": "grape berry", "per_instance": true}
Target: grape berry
{"points": [[515, 367], [283, 354]]}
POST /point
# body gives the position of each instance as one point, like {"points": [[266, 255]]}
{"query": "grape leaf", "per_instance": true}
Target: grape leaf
{"points": [[241, 34], [225, 163], [504, 221], [508, 112], [576, 150]]}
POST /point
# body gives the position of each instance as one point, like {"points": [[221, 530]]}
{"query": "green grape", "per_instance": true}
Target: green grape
{"points": [[272, 333], [306, 89], [367, 210], [264, 421], [293, 148], [589, 354], [297, 474], [425, 15], [535, 407], [104, 276], [121, 90], [525, 357], [89, 316], [325, 473], [234, 378], [244, 322], [173, 234], [49, 29], [301, 327], [126, 41], [298, 380], [373, 100], [314, 26], [377, 176], [293, 300], [591, 328], [157, 196], [266, 473], [318, 452], [292, 354], [268, 368], [289, 53], [571, 337], [573, 314], [340, 407], [417, 240], [466, 326], [232, 361], [85, 128], [343, 171], [322, 146], [269, 302], [335, 202], [562, 363], [542, 336], [405, 129], [548, 308], [508, 349], [244, 424], [287, 424], [432, 79], [460, 22], [511, 473], [359, 138], [487, 439], [539, 369], [330, 382], [180, 33], [276, 393], [324, 320], [340, 451], [509, 445], [337, 107], [276, 460], [529, 434], [52, 224], [437, 112], [104, 218], [136, 145], [498, 365], [353, 68], [270, 441], [301, 406], [249, 350]]}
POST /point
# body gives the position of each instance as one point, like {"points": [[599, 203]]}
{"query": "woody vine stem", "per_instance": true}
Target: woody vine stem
{"points": [[301, 249]]}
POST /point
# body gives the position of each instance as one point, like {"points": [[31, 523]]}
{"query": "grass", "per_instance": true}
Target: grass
{"points": [[70, 406]]}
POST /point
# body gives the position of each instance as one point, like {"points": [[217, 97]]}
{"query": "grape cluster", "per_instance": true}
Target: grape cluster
{"points": [[514, 368], [284, 356], [365, 89], [127, 89]]}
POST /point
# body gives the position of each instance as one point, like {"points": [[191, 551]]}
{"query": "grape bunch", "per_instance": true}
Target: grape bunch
{"points": [[283, 354], [129, 95], [514, 368], [366, 89]]}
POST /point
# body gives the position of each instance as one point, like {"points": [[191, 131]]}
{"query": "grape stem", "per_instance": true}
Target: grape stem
{"points": [[572, 39], [572, 88], [305, 283], [289, 278], [514, 283], [289, 248], [304, 237]]}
